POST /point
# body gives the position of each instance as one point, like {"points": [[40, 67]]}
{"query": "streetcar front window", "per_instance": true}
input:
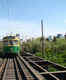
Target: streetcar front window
{"points": [[11, 42], [15, 42]]}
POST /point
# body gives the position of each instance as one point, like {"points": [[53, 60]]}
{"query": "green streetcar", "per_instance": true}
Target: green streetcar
{"points": [[11, 45]]}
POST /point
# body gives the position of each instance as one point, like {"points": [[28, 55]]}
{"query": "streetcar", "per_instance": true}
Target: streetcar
{"points": [[11, 45]]}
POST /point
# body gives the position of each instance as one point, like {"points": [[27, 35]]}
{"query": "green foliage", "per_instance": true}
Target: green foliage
{"points": [[38, 54], [55, 50], [32, 45]]}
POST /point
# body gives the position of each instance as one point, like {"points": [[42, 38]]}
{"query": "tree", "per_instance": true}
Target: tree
{"points": [[59, 36], [65, 36], [54, 39]]}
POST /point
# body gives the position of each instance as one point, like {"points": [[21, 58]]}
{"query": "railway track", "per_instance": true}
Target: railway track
{"points": [[45, 68], [3, 63], [15, 69], [29, 67]]}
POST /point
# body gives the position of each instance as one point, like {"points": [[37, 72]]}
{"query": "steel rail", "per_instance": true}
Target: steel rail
{"points": [[53, 72], [9, 73], [2, 68], [27, 74], [39, 64], [33, 71], [44, 70], [17, 73]]}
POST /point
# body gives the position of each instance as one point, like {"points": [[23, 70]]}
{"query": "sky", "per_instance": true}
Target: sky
{"points": [[24, 17]]}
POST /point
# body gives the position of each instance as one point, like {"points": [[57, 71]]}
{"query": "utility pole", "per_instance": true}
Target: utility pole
{"points": [[42, 38]]}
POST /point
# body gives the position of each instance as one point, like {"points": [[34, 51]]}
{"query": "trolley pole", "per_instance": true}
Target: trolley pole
{"points": [[42, 38]]}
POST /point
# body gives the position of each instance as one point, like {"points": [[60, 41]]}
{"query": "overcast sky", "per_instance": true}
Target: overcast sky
{"points": [[24, 16]]}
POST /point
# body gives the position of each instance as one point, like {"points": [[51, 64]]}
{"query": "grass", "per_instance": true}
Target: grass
{"points": [[57, 59]]}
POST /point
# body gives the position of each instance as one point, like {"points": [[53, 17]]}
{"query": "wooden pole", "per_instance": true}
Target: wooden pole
{"points": [[42, 39]]}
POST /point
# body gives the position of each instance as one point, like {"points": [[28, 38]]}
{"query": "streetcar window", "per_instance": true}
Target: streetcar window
{"points": [[11, 37], [5, 42], [10, 42], [15, 42]]}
